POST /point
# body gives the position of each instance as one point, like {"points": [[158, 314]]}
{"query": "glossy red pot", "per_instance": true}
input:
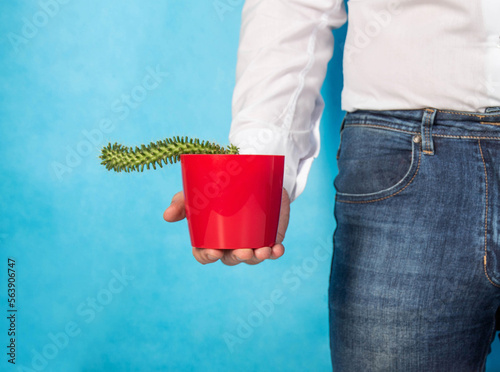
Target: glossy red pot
{"points": [[232, 201]]}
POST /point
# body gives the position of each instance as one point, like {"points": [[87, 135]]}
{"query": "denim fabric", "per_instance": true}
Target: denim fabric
{"points": [[415, 281]]}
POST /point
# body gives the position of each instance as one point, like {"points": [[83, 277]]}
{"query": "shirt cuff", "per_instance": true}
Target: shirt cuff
{"points": [[299, 147]]}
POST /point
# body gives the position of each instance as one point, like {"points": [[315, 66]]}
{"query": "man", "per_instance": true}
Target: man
{"points": [[415, 278]]}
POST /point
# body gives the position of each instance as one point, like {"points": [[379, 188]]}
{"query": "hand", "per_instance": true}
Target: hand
{"points": [[176, 212]]}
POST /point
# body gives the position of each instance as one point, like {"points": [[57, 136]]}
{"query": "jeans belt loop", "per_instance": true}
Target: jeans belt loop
{"points": [[426, 131]]}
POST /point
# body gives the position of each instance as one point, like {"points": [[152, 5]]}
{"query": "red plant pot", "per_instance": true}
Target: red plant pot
{"points": [[232, 201]]}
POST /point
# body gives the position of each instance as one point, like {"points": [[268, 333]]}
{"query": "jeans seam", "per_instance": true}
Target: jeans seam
{"points": [[388, 196], [485, 258], [381, 126], [469, 137], [463, 114]]}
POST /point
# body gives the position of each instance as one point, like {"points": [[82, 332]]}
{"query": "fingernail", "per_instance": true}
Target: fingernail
{"points": [[240, 259], [213, 258]]}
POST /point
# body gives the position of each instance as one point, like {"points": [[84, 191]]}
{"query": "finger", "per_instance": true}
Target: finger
{"points": [[253, 256], [176, 210], [237, 256], [206, 256], [277, 251], [262, 254]]}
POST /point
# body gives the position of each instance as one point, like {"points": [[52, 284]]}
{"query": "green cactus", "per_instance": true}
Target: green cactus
{"points": [[122, 158]]}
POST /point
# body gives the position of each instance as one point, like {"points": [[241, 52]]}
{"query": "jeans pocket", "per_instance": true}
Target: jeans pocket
{"points": [[375, 163]]}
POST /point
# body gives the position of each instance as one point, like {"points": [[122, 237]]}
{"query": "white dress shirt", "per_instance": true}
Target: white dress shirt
{"points": [[399, 54]]}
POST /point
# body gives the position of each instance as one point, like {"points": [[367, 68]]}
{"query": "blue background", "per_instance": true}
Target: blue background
{"points": [[75, 229]]}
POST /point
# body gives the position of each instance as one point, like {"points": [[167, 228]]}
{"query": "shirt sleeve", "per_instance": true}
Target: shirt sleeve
{"points": [[284, 49]]}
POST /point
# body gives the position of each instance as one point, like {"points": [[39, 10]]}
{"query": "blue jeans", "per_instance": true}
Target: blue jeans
{"points": [[415, 281]]}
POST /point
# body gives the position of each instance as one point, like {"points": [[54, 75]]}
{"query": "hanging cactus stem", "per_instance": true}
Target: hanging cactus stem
{"points": [[122, 158]]}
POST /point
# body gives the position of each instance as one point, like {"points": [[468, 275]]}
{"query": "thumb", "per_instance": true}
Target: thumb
{"points": [[176, 210], [284, 217]]}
